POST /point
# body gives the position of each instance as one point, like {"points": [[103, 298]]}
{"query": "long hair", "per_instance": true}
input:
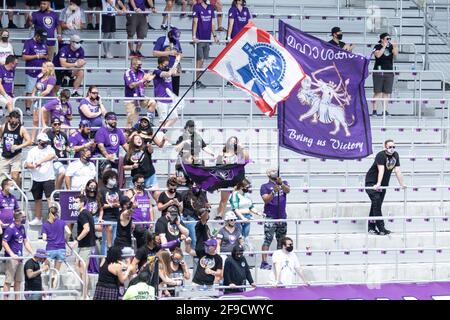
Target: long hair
{"points": [[235, 145], [50, 68], [97, 194], [114, 255], [164, 262], [244, 3], [132, 147]]}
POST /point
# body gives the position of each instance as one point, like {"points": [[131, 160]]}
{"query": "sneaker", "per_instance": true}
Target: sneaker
{"points": [[150, 27], [265, 266], [221, 29], [11, 25], [384, 232], [97, 26], [373, 232], [200, 85], [133, 54], [35, 222], [28, 112], [139, 54], [76, 94], [109, 55], [164, 26], [374, 113], [229, 84], [90, 26], [218, 218]]}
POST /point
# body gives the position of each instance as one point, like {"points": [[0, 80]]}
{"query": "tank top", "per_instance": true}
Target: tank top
{"points": [[10, 138], [123, 236], [142, 212], [106, 278]]}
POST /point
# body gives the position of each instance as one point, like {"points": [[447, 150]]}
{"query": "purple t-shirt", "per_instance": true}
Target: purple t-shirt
{"points": [[47, 21], [131, 76], [14, 236], [142, 212], [271, 208], [41, 84], [161, 84], [55, 235], [95, 122], [59, 110], [7, 77], [32, 48], [241, 18], [138, 3], [112, 140], [71, 56], [8, 204], [77, 139], [205, 18], [163, 44]]}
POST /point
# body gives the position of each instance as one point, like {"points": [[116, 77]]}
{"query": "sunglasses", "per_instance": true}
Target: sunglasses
{"points": [[232, 220], [94, 92], [388, 39], [76, 42], [391, 147], [57, 124]]}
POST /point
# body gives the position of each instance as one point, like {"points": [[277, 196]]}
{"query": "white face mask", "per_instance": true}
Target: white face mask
{"points": [[111, 183], [76, 46], [12, 188]]}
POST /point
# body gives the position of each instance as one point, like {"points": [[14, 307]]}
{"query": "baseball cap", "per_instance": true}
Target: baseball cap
{"points": [[41, 32], [75, 38], [42, 137], [190, 124], [111, 116], [229, 216], [384, 35], [127, 252], [335, 30], [211, 242], [41, 254], [173, 210], [85, 123], [56, 120], [175, 32]]}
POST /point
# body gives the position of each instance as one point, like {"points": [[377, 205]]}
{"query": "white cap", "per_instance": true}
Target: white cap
{"points": [[43, 137], [229, 215], [75, 38]]}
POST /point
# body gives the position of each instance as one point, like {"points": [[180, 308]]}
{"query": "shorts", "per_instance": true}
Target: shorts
{"points": [[151, 182], [11, 165], [94, 3], [59, 167], [108, 23], [14, 271], [164, 109], [33, 296], [84, 253], [46, 187], [30, 82], [137, 24], [383, 82], [11, 3], [3, 101], [33, 3], [57, 255], [279, 229], [64, 78], [133, 110], [203, 50]]}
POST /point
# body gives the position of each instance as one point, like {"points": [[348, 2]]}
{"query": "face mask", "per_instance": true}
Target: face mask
{"points": [[176, 261], [43, 144], [92, 190], [289, 248], [111, 125], [12, 188], [172, 218], [87, 159], [5, 39], [339, 36], [165, 68], [172, 190], [273, 176], [245, 190], [139, 186], [138, 67], [111, 183], [76, 206], [76, 46]]}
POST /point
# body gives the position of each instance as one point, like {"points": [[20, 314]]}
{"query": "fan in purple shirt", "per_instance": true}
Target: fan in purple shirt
{"points": [[8, 203], [238, 17], [7, 74], [58, 108], [91, 108], [48, 20], [82, 139]]}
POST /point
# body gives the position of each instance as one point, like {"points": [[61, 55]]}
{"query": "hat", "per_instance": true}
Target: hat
{"points": [[175, 32], [173, 210], [41, 32], [41, 254], [384, 35], [229, 216], [189, 124], [75, 38], [335, 30], [145, 118], [43, 137], [111, 116], [127, 252], [56, 120], [211, 242], [85, 123]]}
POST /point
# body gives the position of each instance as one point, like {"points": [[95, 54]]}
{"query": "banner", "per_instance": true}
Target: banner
{"points": [[258, 64], [326, 116], [217, 177], [66, 200]]}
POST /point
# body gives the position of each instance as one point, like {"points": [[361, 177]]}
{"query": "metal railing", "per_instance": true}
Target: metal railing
{"points": [[24, 199]]}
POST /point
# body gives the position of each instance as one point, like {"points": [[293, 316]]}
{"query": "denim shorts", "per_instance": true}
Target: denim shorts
{"points": [[151, 181], [30, 82], [58, 254]]}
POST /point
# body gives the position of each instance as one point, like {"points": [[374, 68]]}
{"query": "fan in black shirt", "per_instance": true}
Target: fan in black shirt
{"points": [[59, 143], [209, 268], [170, 197], [337, 35], [139, 158], [378, 176], [33, 271], [170, 227], [236, 270]]}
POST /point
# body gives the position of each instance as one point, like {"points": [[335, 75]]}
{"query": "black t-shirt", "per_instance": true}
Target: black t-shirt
{"points": [[59, 143], [144, 159], [237, 272], [207, 261], [386, 61], [198, 200], [109, 196], [341, 44], [144, 252], [202, 233], [123, 235], [171, 231], [89, 240], [163, 198], [389, 162], [33, 284]]}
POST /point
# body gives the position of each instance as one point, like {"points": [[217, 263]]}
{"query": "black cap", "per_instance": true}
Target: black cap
{"points": [[41, 32], [384, 35], [335, 30], [189, 124], [56, 120]]}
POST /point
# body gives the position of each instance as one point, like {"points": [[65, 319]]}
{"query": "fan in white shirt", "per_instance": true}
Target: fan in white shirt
{"points": [[286, 264], [80, 171], [6, 47]]}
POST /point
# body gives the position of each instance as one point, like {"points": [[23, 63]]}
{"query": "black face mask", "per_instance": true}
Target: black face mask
{"points": [[339, 36], [164, 68], [139, 186], [92, 190], [5, 39], [245, 190], [172, 190], [43, 144], [138, 67], [289, 248]]}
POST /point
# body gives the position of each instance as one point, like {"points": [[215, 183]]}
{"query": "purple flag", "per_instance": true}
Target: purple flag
{"points": [[66, 200], [326, 116], [213, 178]]}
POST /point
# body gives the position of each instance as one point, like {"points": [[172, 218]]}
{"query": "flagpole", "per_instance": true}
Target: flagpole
{"points": [[176, 105]]}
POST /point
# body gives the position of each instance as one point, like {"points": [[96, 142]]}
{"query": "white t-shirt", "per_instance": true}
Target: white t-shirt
{"points": [[80, 173], [45, 171], [287, 262], [5, 51]]}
